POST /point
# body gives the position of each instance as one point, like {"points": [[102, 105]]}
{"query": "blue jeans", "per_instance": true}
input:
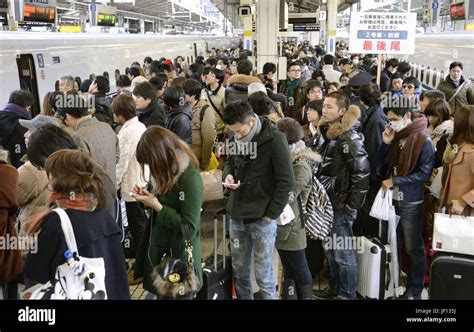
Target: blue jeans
{"points": [[295, 267], [256, 239], [410, 227], [342, 261]]}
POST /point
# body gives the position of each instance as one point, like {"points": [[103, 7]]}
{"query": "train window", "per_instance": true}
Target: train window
{"points": [[92, 77], [127, 70], [422, 74], [106, 75], [117, 74], [27, 77], [187, 59]]}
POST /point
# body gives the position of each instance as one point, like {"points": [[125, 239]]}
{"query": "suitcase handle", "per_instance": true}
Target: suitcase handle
{"points": [[216, 245]]}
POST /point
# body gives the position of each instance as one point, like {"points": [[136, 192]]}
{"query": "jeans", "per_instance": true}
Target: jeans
{"points": [[295, 267], [342, 261], [258, 239], [410, 227]]}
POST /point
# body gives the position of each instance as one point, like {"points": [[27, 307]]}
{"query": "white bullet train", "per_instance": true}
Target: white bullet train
{"points": [[35, 61]]}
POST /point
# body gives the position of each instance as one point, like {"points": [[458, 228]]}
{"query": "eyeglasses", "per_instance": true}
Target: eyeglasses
{"points": [[408, 86], [296, 70]]}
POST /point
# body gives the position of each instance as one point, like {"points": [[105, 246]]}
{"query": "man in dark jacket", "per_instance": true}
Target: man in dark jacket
{"points": [[390, 68], [291, 88], [11, 132], [179, 114], [103, 109], [237, 85], [259, 173], [150, 111], [408, 158], [344, 173], [372, 128]]}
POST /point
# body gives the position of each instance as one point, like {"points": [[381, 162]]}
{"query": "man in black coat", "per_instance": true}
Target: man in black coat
{"points": [[344, 173], [150, 111], [11, 132]]}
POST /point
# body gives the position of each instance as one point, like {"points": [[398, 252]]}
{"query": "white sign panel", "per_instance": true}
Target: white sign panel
{"points": [[322, 15], [382, 33]]}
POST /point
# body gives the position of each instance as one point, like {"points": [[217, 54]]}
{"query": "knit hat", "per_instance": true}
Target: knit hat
{"points": [[292, 129], [256, 87]]}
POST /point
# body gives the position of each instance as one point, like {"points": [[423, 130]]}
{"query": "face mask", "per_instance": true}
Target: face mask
{"points": [[397, 125], [355, 62]]}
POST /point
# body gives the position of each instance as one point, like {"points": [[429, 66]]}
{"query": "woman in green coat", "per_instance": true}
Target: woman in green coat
{"points": [[175, 198], [291, 237]]}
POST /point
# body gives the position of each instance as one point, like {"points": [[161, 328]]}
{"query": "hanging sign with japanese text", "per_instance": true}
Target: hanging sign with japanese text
{"points": [[382, 33]]}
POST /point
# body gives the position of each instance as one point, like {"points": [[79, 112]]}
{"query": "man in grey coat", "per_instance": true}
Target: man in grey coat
{"points": [[93, 136]]}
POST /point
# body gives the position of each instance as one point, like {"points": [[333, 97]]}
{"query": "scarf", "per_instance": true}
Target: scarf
{"points": [[292, 86], [404, 159], [244, 141], [81, 202]]}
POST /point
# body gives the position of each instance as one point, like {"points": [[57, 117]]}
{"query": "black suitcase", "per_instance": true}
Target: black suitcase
{"points": [[217, 270], [452, 277]]}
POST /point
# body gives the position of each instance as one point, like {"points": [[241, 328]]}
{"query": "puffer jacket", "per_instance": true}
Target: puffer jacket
{"points": [[237, 87], [345, 170], [12, 133], [103, 108], [179, 122]]}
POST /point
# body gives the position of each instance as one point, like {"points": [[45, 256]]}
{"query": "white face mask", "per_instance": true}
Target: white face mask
{"points": [[355, 62], [397, 125]]}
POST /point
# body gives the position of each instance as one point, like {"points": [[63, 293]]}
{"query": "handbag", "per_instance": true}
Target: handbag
{"points": [[317, 216], [80, 278], [453, 233], [213, 189], [176, 278]]}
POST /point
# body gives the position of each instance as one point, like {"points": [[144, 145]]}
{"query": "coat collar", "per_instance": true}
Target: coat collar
{"points": [[348, 121], [466, 149], [85, 121]]}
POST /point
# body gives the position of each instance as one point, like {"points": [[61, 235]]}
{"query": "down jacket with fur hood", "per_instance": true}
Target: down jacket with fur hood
{"points": [[345, 169], [237, 87]]}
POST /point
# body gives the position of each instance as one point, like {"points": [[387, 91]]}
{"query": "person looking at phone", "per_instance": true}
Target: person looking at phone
{"points": [[260, 185], [408, 158]]}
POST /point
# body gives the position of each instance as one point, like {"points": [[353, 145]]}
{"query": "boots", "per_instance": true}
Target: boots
{"points": [[288, 290], [306, 292]]}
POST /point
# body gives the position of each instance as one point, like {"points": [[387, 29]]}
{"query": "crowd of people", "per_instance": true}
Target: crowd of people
{"points": [[145, 146]]}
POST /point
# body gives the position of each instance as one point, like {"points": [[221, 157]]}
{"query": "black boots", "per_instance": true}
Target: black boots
{"points": [[288, 290]]}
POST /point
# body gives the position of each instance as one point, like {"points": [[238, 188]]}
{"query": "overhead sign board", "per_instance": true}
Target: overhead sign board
{"points": [[382, 33]]}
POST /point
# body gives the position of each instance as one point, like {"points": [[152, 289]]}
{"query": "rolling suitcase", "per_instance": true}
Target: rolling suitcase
{"points": [[217, 271], [451, 277], [374, 259], [374, 262]]}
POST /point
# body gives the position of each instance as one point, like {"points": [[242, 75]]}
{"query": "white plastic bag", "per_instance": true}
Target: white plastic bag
{"points": [[287, 216], [382, 203]]}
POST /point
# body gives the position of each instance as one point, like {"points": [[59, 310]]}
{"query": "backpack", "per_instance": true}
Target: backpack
{"points": [[317, 215]]}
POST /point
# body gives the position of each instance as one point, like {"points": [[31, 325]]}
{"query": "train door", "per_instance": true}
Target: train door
{"points": [[27, 76]]}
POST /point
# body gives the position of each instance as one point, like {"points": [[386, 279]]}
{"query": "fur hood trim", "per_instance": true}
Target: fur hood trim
{"points": [[242, 79], [308, 154], [348, 121]]}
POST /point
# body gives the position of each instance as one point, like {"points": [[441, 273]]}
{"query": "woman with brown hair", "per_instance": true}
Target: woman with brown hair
{"points": [[175, 197], [77, 188], [458, 190]]}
